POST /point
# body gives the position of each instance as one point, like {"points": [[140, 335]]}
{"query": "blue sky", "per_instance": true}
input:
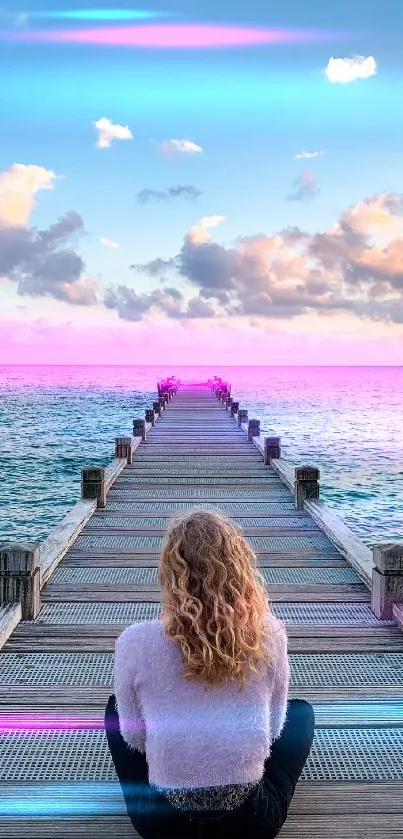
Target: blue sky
{"points": [[250, 109]]}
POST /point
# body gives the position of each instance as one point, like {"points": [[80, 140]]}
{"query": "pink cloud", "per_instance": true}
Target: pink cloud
{"points": [[173, 36]]}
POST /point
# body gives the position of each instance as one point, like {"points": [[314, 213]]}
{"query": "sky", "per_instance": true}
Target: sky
{"points": [[201, 187]]}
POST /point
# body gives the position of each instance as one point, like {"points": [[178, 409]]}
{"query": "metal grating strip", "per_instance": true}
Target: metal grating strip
{"points": [[170, 470], [234, 448], [214, 438], [313, 614], [362, 669], [228, 506], [149, 456], [39, 669], [97, 522], [360, 754], [208, 492], [356, 755], [249, 459], [143, 576], [307, 670], [108, 613], [156, 542], [78, 576], [198, 468], [339, 614], [128, 477], [310, 576]]}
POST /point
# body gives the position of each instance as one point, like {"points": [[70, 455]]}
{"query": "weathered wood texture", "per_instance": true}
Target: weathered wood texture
{"points": [[10, 616], [323, 826], [343, 659]]}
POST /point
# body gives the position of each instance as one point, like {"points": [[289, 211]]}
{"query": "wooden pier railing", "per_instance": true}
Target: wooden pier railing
{"points": [[64, 602]]}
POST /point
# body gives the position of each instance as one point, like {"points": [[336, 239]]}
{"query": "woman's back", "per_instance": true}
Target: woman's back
{"points": [[196, 737]]}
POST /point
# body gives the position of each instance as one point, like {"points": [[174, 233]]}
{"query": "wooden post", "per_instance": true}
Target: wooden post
{"points": [[306, 485], [157, 408], [253, 428], [242, 416], [150, 416], [387, 579], [124, 448], [234, 408], [139, 429], [93, 485], [272, 449], [20, 577]]}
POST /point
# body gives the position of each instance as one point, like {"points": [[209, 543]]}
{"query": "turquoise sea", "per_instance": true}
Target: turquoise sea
{"points": [[347, 420]]}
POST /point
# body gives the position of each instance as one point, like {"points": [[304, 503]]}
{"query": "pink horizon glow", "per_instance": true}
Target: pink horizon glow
{"points": [[40, 342], [185, 36]]}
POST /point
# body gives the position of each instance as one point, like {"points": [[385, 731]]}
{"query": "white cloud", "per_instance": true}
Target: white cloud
{"points": [[18, 185], [345, 70], [109, 131], [108, 242], [179, 147], [307, 155], [199, 233]]}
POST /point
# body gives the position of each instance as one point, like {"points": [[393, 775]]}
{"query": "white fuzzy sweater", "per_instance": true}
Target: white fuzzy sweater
{"points": [[195, 738]]}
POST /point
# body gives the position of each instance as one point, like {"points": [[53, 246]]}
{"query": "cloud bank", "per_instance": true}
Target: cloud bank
{"points": [[285, 275], [39, 262]]}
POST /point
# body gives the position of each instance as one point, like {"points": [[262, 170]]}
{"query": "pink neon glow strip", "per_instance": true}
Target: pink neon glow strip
{"points": [[171, 36], [47, 722]]}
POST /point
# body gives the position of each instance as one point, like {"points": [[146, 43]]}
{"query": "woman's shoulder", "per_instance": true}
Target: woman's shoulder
{"points": [[137, 632], [274, 623]]}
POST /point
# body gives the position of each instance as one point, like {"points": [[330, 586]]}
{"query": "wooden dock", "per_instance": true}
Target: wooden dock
{"points": [[96, 574]]}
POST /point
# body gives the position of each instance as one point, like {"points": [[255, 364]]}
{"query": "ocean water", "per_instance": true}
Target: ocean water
{"points": [[348, 421]]}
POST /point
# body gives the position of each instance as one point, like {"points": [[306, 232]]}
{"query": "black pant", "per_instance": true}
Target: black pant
{"points": [[260, 816]]}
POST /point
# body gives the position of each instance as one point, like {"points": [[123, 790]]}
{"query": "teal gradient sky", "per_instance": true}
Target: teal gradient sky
{"points": [[247, 111]]}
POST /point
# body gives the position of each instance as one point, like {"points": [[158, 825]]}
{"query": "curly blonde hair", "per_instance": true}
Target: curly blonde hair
{"points": [[214, 598]]}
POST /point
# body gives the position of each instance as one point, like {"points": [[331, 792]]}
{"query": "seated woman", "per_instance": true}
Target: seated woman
{"points": [[203, 740]]}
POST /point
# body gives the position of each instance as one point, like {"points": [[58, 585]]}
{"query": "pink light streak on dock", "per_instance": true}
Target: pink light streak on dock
{"points": [[182, 36], [43, 723]]}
